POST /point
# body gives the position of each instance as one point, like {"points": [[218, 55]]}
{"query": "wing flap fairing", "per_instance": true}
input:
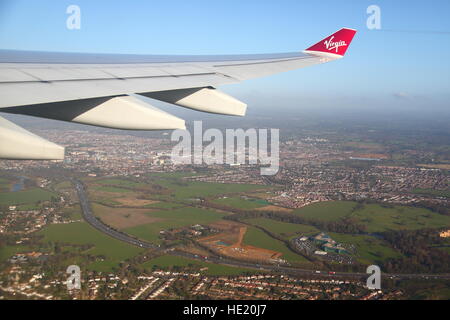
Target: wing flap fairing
{"points": [[16, 143], [202, 99], [121, 112]]}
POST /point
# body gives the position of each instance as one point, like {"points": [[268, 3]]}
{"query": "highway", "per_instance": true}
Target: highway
{"points": [[94, 222], [97, 224]]}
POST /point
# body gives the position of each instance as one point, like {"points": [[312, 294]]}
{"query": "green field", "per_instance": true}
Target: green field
{"points": [[73, 212], [376, 217], [241, 203], [369, 249], [257, 238], [285, 230], [439, 193], [173, 219], [120, 183], [31, 196], [7, 252], [186, 190], [326, 211], [168, 262], [5, 185], [110, 189], [164, 205], [179, 174], [113, 250], [63, 185]]}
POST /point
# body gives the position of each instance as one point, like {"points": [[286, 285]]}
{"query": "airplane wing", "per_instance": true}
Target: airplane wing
{"points": [[100, 89]]}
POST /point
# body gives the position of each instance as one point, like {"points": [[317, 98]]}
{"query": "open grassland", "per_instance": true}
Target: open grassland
{"points": [[63, 185], [169, 262], [111, 197], [376, 217], [5, 185], [241, 203], [32, 196], [359, 145], [133, 202], [121, 218], [111, 189], [186, 190], [369, 249], [113, 251], [257, 238], [173, 175], [166, 189], [126, 183], [283, 229], [439, 193], [379, 218], [169, 219], [163, 205], [73, 212], [444, 166], [7, 252], [327, 211]]}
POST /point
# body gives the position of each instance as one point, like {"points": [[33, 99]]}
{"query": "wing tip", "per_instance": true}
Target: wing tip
{"points": [[335, 45]]}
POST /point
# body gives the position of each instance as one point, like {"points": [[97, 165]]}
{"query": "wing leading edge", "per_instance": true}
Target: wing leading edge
{"points": [[83, 87]]}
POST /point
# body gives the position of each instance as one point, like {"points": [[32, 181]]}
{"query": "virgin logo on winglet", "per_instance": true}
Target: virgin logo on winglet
{"points": [[331, 45]]}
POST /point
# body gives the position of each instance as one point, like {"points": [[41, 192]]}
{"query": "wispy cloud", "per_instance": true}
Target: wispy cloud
{"points": [[401, 95]]}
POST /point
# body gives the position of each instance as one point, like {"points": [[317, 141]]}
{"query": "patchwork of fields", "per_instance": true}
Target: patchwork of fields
{"points": [[147, 207]]}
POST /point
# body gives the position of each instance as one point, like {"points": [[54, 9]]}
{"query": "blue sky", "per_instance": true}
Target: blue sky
{"points": [[407, 71]]}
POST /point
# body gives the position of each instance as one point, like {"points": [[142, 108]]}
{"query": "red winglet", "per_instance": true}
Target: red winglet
{"points": [[336, 44]]}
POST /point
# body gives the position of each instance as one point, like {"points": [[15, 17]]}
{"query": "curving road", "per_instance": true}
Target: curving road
{"points": [[93, 221]]}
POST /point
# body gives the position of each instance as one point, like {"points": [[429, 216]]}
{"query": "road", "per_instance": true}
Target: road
{"points": [[93, 221]]}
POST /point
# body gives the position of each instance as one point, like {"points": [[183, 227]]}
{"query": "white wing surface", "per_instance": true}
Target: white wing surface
{"points": [[94, 88]]}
